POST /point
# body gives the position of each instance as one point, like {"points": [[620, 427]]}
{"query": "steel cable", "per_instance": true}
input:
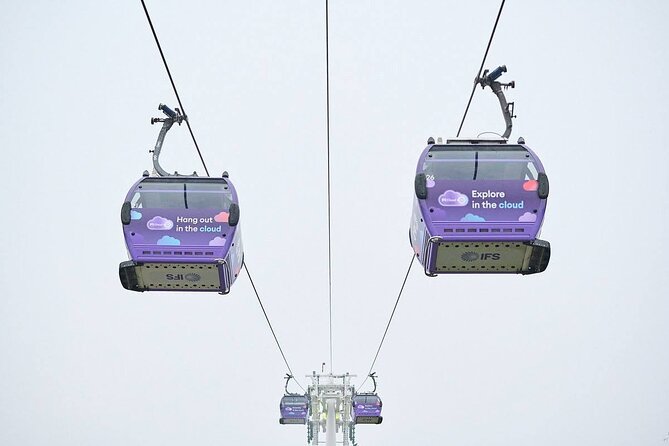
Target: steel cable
{"points": [[399, 295], [174, 87], [262, 307], [327, 94], [471, 96]]}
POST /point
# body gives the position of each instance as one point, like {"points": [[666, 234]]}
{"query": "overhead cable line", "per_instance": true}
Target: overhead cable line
{"points": [[399, 295], [262, 307], [327, 94], [494, 28], [174, 87]]}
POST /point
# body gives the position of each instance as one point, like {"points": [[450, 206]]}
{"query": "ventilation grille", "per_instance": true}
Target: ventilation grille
{"points": [[177, 253], [497, 245], [483, 230], [464, 269], [183, 286]]}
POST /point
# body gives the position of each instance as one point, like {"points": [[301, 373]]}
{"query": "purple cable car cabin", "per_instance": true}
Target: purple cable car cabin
{"points": [[182, 234], [478, 208], [367, 409], [181, 231], [294, 409]]}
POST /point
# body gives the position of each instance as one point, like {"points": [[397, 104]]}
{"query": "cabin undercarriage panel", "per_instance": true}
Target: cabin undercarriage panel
{"points": [[137, 276], [510, 257]]}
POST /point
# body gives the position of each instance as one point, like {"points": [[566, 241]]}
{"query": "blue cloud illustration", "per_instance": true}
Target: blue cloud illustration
{"points": [[453, 198], [135, 215], [472, 218], [167, 240], [159, 223]]}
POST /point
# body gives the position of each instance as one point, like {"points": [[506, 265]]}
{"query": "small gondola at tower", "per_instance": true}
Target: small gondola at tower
{"points": [[181, 231]]}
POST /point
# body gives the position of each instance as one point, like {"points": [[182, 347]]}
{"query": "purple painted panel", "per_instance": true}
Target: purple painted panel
{"points": [[366, 406], [178, 230], [235, 257], [507, 201], [294, 407]]}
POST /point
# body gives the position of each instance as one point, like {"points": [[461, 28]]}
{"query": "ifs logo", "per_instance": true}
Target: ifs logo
{"points": [[191, 277], [471, 256]]}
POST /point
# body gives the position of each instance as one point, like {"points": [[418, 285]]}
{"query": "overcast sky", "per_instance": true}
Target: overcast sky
{"points": [[575, 356]]}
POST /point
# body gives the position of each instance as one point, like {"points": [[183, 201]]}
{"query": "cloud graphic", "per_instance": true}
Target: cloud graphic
{"points": [[429, 182], [167, 240], [221, 217], [159, 223], [217, 241], [528, 217], [531, 185], [134, 215], [453, 198], [472, 218]]}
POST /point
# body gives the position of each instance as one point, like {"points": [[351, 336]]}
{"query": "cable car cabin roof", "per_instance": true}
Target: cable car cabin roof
{"points": [[184, 179], [175, 181], [476, 148], [476, 141]]}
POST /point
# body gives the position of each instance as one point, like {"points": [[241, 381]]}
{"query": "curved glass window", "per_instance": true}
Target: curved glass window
{"points": [[182, 195], [367, 399], [293, 401], [479, 163]]}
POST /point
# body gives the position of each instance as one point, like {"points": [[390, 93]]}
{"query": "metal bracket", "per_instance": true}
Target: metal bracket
{"points": [[373, 376], [489, 79], [430, 242], [288, 377], [172, 117]]}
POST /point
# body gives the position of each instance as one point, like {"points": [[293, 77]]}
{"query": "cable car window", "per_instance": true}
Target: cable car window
{"points": [[294, 401], [182, 195], [531, 174], [367, 399], [208, 196], [502, 170], [479, 164]]}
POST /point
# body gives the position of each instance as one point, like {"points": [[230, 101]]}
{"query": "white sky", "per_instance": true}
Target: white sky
{"points": [[577, 355]]}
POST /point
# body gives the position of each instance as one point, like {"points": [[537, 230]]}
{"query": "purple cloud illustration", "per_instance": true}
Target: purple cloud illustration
{"points": [[135, 215], [528, 217], [472, 218], [429, 182], [217, 241], [167, 240], [159, 223], [221, 217], [453, 198]]}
